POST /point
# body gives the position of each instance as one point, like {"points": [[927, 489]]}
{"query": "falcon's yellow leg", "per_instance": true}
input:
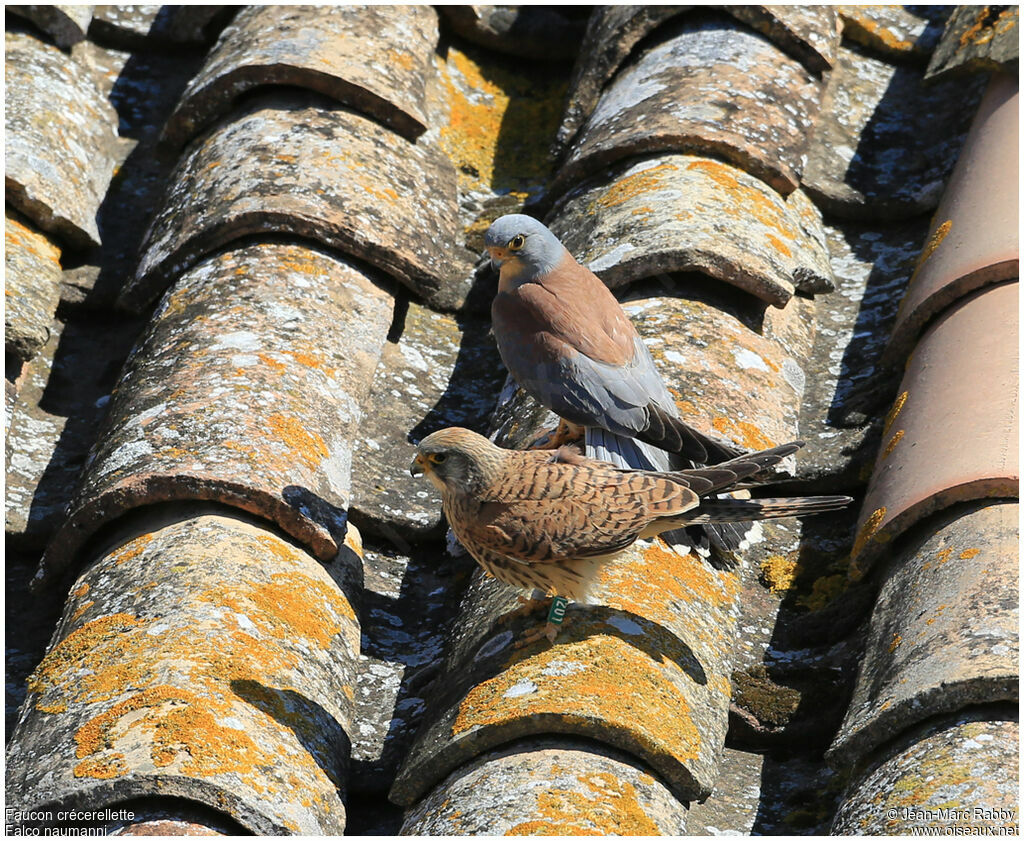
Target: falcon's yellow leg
{"points": [[566, 432]]}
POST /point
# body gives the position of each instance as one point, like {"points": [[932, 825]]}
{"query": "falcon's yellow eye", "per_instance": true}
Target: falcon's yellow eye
{"points": [[517, 242], [437, 458]]}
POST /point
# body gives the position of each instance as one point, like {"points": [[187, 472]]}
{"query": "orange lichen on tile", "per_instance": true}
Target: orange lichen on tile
{"points": [[270, 362], [619, 686], [895, 643], [308, 446], [896, 438], [984, 29], [897, 407], [645, 181], [867, 531], [80, 590], [501, 122], [779, 572], [744, 432], [614, 810], [80, 610], [967, 554], [132, 549]]}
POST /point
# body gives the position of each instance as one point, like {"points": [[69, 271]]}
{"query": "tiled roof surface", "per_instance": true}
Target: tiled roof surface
{"points": [[243, 278]]}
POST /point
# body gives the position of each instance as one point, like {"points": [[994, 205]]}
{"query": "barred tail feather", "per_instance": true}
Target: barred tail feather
{"points": [[726, 510]]}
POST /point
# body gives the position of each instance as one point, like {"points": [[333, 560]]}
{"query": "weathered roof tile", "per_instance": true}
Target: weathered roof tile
{"points": [[246, 390], [548, 787], [646, 674], [710, 87], [207, 659], [676, 213], [885, 142], [375, 59], [60, 140], [140, 26], [943, 634], [960, 773], [66, 24], [950, 434], [323, 173], [807, 33], [895, 32], [32, 276], [438, 373], [974, 237], [978, 39]]}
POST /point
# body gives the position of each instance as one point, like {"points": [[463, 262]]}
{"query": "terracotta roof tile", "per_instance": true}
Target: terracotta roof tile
{"points": [[32, 276], [440, 372], [960, 771], [895, 32], [978, 38], [57, 168], [732, 227], [974, 236], [322, 173], [245, 390], [885, 142], [677, 95], [374, 58], [65, 24], [806, 33], [964, 371], [226, 680], [958, 644], [548, 787]]}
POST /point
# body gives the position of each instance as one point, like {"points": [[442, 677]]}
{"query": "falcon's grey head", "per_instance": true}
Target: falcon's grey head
{"points": [[521, 247], [457, 460]]}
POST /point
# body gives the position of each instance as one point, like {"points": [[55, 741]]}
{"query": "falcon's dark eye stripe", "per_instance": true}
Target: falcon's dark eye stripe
{"points": [[437, 458], [517, 242]]}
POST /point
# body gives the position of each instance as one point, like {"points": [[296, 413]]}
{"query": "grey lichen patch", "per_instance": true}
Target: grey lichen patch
{"points": [[208, 659], [847, 388], [978, 39], [885, 142], [319, 171], [32, 275], [247, 389], [958, 775], [712, 88], [374, 58], [440, 372], [676, 213], [61, 142], [943, 634], [549, 787]]}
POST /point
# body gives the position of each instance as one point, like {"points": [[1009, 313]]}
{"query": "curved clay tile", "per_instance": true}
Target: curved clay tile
{"points": [[323, 173], [895, 32], [138, 27], [675, 213], [951, 434], [974, 237], [534, 32], [808, 33], [960, 772], [60, 144], [646, 672], [67, 25], [885, 142], [978, 39], [438, 373], [245, 391], [204, 658], [376, 59], [943, 635], [548, 787], [711, 87], [32, 276]]}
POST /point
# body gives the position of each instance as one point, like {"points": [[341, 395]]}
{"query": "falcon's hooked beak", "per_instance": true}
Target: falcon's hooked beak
{"points": [[419, 465], [498, 256]]}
